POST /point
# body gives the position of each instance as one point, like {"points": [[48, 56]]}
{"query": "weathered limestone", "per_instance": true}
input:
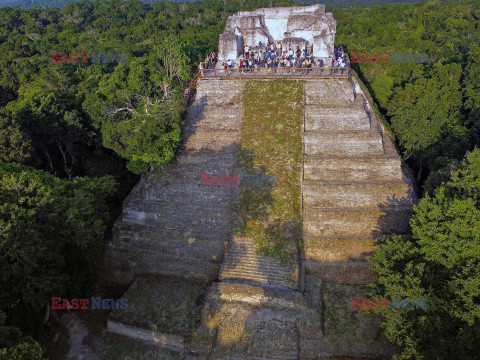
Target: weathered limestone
{"points": [[294, 26], [355, 190], [353, 169], [243, 263], [231, 302], [170, 224], [261, 323]]}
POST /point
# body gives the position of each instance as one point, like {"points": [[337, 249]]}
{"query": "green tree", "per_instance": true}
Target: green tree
{"points": [[136, 120], [171, 60], [51, 239], [441, 263], [14, 145], [426, 116]]}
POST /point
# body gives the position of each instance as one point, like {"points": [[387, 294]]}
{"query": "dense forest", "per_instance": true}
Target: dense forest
{"points": [[74, 138], [27, 4]]}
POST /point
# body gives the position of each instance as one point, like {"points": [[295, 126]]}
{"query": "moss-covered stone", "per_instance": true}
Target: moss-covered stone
{"points": [[162, 303], [271, 145]]}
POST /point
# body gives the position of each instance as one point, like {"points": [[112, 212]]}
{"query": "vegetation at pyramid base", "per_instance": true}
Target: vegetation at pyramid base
{"points": [[441, 263], [51, 240]]}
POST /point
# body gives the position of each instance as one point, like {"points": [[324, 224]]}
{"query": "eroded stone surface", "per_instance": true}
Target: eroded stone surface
{"points": [[294, 26], [355, 189], [171, 224]]}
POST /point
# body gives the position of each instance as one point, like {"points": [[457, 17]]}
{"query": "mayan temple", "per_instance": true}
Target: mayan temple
{"points": [[202, 289]]}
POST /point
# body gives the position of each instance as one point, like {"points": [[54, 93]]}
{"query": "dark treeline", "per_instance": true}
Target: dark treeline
{"points": [[73, 135], [27, 4]]}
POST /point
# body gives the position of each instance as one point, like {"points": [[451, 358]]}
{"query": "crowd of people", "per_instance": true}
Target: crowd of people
{"points": [[272, 56]]}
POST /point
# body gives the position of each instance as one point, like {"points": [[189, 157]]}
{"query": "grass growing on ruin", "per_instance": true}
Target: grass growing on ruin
{"points": [[271, 144]]}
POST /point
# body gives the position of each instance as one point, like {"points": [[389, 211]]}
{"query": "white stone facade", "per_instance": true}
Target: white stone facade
{"points": [[291, 25]]}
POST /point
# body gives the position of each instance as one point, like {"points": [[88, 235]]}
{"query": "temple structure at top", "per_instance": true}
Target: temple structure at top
{"points": [[293, 26]]}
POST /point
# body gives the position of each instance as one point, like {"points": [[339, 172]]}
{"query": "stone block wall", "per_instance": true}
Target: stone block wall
{"points": [[309, 23]]}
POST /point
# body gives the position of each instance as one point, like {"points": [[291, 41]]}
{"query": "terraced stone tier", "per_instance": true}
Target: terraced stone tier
{"points": [[216, 140], [343, 143], [194, 219], [209, 196], [170, 223], [325, 249], [220, 117], [357, 195], [348, 272], [336, 118], [242, 263], [220, 92], [352, 169], [364, 223], [328, 92], [257, 323], [190, 173], [176, 243], [205, 157], [348, 334]]}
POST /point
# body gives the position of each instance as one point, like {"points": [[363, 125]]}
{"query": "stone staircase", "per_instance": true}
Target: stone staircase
{"points": [[243, 263], [354, 188], [354, 191]]}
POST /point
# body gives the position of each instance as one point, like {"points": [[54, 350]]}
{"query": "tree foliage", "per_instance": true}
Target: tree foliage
{"points": [[51, 238], [441, 263]]}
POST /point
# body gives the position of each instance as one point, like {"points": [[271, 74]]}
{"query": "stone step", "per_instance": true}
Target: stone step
{"points": [[341, 272], [180, 243], [352, 169], [338, 222], [201, 164], [248, 271], [208, 196], [191, 174], [208, 153], [193, 221], [242, 262], [157, 207], [335, 119], [256, 295], [343, 143], [202, 116], [243, 274], [228, 156], [323, 249], [188, 268], [252, 266], [337, 92], [215, 140], [220, 92], [336, 249], [257, 323], [358, 195]]}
